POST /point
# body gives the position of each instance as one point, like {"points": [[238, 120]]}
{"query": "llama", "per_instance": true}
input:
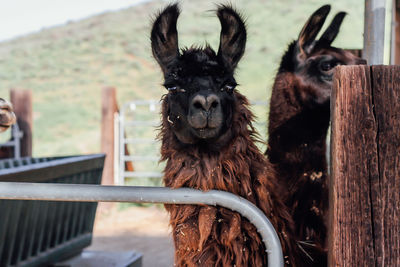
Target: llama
{"points": [[208, 142], [298, 122], [7, 116]]}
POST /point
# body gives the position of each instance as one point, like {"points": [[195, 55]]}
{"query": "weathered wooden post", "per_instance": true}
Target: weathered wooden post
{"points": [[365, 167], [22, 103], [108, 108]]}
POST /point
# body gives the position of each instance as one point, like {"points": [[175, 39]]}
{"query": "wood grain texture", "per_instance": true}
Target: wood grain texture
{"points": [[364, 188], [385, 82]]}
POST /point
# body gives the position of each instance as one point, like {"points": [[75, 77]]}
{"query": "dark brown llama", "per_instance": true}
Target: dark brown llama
{"points": [[298, 122], [208, 142]]}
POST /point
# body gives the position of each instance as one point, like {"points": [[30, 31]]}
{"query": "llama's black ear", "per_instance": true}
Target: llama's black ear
{"points": [[233, 36], [164, 36], [312, 28], [332, 31]]}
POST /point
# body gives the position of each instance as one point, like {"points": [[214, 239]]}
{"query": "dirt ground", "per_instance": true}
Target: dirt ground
{"points": [[143, 229]]}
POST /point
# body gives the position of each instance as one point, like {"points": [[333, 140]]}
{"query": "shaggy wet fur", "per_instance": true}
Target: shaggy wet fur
{"points": [[215, 236]]}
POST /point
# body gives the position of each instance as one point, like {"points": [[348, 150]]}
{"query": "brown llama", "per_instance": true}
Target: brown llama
{"points": [[208, 142], [7, 116], [298, 122]]}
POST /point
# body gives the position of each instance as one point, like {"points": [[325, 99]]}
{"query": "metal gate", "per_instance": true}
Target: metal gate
{"points": [[136, 128]]}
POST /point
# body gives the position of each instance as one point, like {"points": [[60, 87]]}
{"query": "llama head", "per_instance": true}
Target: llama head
{"points": [[201, 98], [314, 60]]}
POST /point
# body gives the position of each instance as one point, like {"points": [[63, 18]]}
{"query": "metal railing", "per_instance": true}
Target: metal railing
{"points": [[96, 193]]}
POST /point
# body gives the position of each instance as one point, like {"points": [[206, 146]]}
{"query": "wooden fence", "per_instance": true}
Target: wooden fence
{"points": [[365, 167]]}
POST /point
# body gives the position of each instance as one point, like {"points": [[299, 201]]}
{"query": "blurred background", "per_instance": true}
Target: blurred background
{"points": [[65, 52]]}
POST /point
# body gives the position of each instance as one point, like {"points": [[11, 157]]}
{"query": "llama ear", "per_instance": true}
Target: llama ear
{"points": [[312, 28], [164, 36], [233, 36], [332, 31]]}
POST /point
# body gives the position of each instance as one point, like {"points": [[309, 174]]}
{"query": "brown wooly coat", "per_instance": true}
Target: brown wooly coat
{"points": [[215, 236]]}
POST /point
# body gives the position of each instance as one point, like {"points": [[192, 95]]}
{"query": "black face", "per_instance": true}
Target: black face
{"points": [[200, 96], [322, 62], [315, 60], [321, 67], [200, 82]]}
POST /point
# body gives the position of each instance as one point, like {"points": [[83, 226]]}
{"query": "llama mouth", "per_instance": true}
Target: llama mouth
{"points": [[206, 132]]}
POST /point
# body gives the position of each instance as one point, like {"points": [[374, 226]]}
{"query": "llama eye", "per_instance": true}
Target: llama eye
{"points": [[228, 87], [174, 89], [171, 88], [326, 66]]}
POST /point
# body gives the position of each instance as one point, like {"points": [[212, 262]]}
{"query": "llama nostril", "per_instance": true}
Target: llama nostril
{"points": [[212, 101], [205, 103], [198, 105], [199, 102]]}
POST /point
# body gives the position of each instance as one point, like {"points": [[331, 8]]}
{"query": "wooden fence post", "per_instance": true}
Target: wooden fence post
{"points": [[22, 104], [108, 109], [365, 167]]}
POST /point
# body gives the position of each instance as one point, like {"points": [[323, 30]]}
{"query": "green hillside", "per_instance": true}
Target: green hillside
{"points": [[67, 66]]}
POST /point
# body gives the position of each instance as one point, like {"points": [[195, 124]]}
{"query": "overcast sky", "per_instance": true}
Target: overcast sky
{"points": [[19, 17]]}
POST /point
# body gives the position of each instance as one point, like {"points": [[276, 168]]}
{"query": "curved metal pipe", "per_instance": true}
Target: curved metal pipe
{"points": [[137, 194]]}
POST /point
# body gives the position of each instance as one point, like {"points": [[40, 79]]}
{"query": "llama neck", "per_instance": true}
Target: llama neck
{"points": [[297, 128], [229, 170], [296, 145]]}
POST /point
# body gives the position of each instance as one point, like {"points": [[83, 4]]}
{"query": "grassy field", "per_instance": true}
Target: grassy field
{"points": [[67, 66]]}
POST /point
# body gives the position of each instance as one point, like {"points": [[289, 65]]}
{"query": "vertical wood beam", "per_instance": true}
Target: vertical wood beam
{"points": [[386, 189], [108, 109], [365, 167], [22, 104]]}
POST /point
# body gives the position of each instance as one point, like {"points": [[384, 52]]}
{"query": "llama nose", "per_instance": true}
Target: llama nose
{"points": [[201, 102]]}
